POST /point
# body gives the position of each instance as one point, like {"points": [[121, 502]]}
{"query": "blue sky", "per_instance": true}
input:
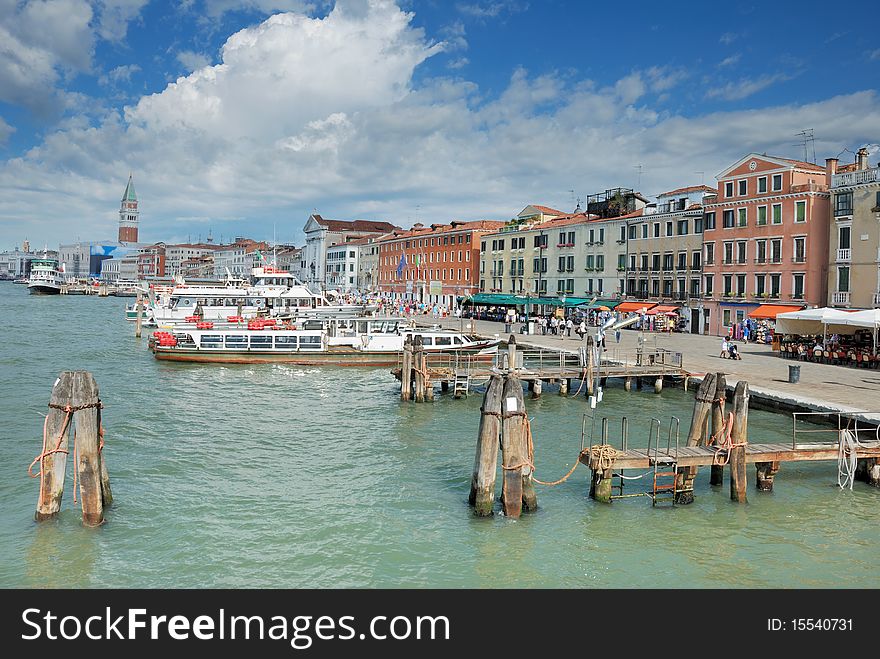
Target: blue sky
{"points": [[243, 116]]}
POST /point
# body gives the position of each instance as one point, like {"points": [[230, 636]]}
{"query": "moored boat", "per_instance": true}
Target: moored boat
{"points": [[45, 278], [312, 342]]}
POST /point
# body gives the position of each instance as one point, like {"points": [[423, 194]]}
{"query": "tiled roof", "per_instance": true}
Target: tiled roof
{"points": [[434, 229], [800, 164], [355, 225], [547, 210], [691, 188]]}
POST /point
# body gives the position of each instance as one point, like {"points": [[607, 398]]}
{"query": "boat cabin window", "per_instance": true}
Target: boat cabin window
{"points": [[211, 340], [313, 325], [443, 340], [427, 341], [310, 343], [261, 341], [457, 340], [285, 342], [362, 327], [184, 302], [236, 341]]}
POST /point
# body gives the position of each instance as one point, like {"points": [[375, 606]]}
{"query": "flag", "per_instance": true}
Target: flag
{"points": [[401, 265]]}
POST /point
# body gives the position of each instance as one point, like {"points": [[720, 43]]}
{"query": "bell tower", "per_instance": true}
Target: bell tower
{"points": [[128, 215]]}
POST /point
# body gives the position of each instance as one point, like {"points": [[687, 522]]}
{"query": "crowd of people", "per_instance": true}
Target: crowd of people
{"points": [[852, 350]]}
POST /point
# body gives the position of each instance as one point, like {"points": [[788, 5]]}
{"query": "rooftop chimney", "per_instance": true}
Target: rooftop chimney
{"points": [[862, 159], [830, 169]]}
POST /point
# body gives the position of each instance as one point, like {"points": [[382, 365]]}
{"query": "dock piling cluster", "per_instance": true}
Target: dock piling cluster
{"points": [[74, 404]]}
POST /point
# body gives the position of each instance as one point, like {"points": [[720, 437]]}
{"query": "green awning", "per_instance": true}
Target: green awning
{"points": [[602, 303], [494, 299], [501, 299]]}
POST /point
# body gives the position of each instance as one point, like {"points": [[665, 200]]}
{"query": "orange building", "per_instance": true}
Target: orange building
{"points": [[433, 264], [765, 241]]}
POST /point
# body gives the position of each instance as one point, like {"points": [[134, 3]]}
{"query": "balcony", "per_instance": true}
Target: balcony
{"points": [[855, 178], [799, 259], [840, 297], [566, 244], [844, 255]]}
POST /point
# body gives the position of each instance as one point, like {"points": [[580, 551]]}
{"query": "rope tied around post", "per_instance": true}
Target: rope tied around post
{"points": [[68, 416], [725, 445], [531, 458]]}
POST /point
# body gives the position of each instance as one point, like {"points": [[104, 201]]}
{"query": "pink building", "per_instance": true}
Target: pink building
{"points": [[765, 241]]}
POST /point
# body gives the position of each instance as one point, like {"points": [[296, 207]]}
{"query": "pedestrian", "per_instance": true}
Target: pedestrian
{"points": [[568, 326], [724, 347]]}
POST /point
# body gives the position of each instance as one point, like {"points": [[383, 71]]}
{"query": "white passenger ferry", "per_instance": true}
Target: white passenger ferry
{"points": [[274, 293], [45, 278], [311, 342]]}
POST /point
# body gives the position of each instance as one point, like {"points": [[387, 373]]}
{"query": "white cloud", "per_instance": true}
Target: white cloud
{"points": [[119, 74], [729, 61], [303, 113], [458, 63], [745, 87], [115, 15], [874, 54], [193, 61], [728, 38], [216, 8], [5, 131], [491, 8]]}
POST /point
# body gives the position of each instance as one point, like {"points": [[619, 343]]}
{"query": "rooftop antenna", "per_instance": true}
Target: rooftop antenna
{"points": [[808, 142], [638, 167]]}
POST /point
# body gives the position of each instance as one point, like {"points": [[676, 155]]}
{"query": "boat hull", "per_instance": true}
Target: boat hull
{"points": [[43, 289], [322, 358]]}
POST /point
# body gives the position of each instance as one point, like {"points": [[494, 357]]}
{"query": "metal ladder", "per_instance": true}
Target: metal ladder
{"points": [[665, 463], [462, 383]]}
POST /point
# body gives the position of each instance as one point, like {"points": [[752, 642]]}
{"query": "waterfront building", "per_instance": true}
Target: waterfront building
{"points": [[15, 264], [110, 270], [175, 255], [342, 265], [368, 263], [151, 261], [664, 253], [240, 258], [128, 215], [322, 233], [854, 240], [435, 264], [287, 257], [765, 240], [83, 259], [581, 254]]}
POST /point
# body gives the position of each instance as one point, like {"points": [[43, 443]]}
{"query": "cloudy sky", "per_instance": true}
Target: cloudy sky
{"points": [[241, 117]]}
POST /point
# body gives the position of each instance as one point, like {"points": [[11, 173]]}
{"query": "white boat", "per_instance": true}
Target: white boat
{"points": [[313, 342], [274, 293], [45, 277]]}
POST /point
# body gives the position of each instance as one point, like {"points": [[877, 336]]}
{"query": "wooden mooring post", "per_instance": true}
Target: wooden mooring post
{"points": [[75, 402], [511, 354], [765, 472], [406, 370], [482, 496], [696, 436], [420, 371], [591, 375], [139, 310], [716, 474], [868, 471], [518, 491], [739, 439]]}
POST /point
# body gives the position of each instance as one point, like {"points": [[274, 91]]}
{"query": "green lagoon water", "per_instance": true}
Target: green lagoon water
{"points": [[280, 476]]}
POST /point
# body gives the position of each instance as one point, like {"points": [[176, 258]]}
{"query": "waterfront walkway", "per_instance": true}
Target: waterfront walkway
{"points": [[822, 387]]}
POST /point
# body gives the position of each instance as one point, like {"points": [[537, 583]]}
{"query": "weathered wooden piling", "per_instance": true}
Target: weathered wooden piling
{"points": [[517, 491], [139, 310], [658, 385], [627, 384], [482, 495], [427, 384], [764, 474], [89, 447], [536, 388], [601, 479], [696, 437], [53, 457], [868, 471], [563, 387], [511, 353], [591, 375], [406, 370], [74, 402], [739, 439], [716, 473], [418, 374]]}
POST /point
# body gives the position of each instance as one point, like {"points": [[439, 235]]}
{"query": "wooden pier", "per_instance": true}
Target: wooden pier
{"points": [[589, 366]]}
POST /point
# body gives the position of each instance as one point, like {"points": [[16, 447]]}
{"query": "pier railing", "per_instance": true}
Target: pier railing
{"points": [[864, 433]]}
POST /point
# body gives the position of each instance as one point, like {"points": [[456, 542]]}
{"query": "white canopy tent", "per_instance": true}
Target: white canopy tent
{"points": [[869, 318], [814, 321]]}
